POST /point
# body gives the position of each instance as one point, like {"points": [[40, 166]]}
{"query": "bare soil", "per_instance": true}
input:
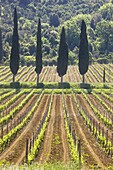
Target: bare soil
{"points": [[15, 153], [23, 112], [55, 146], [92, 153], [102, 110]]}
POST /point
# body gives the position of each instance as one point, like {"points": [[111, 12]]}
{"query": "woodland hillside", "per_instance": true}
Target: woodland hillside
{"points": [[98, 15]]}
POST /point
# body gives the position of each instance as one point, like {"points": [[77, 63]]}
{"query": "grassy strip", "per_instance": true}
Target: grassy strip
{"points": [[46, 166], [56, 85]]}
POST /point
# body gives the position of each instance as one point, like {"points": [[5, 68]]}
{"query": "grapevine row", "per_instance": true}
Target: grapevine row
{"points": [[42, 128], [101, 117], [72, 137], [16, 109], [94, 127], [7, 138]]}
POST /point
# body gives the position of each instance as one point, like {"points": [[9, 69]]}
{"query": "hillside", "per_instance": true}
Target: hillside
{"points": [[53, 125], [54, 14]]}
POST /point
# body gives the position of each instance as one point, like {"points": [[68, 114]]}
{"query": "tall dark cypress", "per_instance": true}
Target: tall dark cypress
{"points": [[14, 57], [39, 52], [62, 62], [1, 52], [83, 51]]}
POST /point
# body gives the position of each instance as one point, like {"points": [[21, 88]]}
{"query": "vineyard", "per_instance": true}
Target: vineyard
{"points": [[57, 125], [49, 74]]}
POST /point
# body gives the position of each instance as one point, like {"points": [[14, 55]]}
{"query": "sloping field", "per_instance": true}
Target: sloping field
{"points": [[49, 74], [49, 128]]}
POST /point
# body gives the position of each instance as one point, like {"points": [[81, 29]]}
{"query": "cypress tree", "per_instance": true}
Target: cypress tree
{"points": [[1, 52], [14, 57], [38, 68], [62, 62], [83, 51]]}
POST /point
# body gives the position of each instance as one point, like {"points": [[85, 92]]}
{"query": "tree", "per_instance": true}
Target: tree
{"points": [[92, 24], [1, 52], [62, 62], [83, 51], [54, 20], [38, 68], [104, 32], [72, 35], [14, 57]]}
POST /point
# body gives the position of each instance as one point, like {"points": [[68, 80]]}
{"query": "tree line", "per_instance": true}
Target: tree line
{"points": [[62, 61], [97, 14]]}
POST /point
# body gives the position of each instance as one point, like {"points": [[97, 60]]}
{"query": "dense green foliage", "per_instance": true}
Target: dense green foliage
{"points": [[62, 63], [98, 15], [14, 58], [0, 45]]}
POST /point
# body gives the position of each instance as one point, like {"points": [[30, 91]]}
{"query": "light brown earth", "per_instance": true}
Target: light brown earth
{"points": [[15, 153], [92, 153], [55, 146]]}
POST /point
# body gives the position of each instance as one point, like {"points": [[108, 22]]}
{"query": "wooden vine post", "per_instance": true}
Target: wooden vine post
{"points": [[99, 128], [7, 127], [93, 125], [112, 121], [106, 137], [79, 151], [103, 134], [27, 143], [33, 138], [112, 139], [112, 146], [2, 131]]}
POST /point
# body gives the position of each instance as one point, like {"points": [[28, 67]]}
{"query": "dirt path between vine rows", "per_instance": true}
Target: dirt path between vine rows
{"points": [[54, 75], [77, 74], [45, 149], [23, 112], [31, 77], [89, 111], [55, 147], [24, 74], [12, 105], [60, 148], [50, 74], [92, 153], [105, 110], [75, 78], [15, 154], [5, 100], [92, 77], [46, 76], [43, 73], [96, 71]]}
